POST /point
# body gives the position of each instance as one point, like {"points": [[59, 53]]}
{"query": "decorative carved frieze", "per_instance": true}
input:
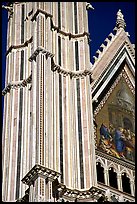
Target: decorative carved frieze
{"points": [[100, 155], [39, 170], [73, 74], [53, 27], [70, 35], [25, 44], [79, 195], [59, 69], [43, 51], [41, 11], [17, 84]]}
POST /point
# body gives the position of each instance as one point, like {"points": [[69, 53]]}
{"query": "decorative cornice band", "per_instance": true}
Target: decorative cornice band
{"points": [[37, 51], [127, 164], [76, 194], [25, 44], [39, 170], [46, 173], [55, 67], [17, 84], [53, 27], [70, 35], [41, 11], [75, 74]]}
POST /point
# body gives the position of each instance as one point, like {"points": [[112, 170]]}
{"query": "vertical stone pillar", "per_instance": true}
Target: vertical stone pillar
{"points": [[40, 179], [132, 187], [31, 193], [108, 195], [106, 176], [119, 181]]}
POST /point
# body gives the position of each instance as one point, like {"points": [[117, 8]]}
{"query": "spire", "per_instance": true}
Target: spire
{"points": [[120, 23]]}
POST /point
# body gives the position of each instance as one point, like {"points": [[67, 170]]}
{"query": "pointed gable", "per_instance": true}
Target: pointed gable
{"points": [[112, 55], [113, 94]]}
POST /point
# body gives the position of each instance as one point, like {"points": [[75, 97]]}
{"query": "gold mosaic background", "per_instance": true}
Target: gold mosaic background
{"points": [[116, 124]]}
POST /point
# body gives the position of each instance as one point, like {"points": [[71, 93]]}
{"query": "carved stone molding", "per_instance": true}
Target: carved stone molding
{"points": [[73, 74], [17, 84], [25, 44], [80, 195], [40, 11], [59, 69], [43, 51], [70, 35], [128, 164], [53, 27], [42, 171]]}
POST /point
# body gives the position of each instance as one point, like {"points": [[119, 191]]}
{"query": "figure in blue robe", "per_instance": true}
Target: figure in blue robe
{"points": [[119, 142], [104, 131]]}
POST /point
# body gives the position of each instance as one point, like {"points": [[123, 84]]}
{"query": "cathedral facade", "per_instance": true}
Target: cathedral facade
{"points": [[69, 125]]}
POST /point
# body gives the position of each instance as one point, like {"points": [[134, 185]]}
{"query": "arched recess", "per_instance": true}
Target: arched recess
{"points": [[100, 172], [113, 178], [126, 183]]}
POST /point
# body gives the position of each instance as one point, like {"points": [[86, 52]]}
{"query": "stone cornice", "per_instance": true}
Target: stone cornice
{"points": [[93, 193], [124, 163], [65, 192], [73, 74], [43, 51], [16, 84], [25, 44], [40, 11], [40, 171], [109, 41], [59, 69], [53, 27], [70, 35]]}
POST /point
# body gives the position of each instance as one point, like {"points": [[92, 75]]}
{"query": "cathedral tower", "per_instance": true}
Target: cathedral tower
{"points": [[47, 95], [69, 131]]}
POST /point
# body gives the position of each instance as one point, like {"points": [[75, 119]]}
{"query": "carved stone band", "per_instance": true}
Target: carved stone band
{"points": [[25, 44], [53, 27], [55, 67], [38, 50], [17, 84]]}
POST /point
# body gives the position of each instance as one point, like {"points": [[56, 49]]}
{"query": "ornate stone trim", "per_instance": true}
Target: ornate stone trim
{"points": [[101, 104], [53, 27], [93, 193], [25, 44], [127, 164], [70, 35], [40, 11], [37, 51], [17, 84], [59, 69], [131, 49], [75, 74], [39, 170], [115, 195], [108, 41]]}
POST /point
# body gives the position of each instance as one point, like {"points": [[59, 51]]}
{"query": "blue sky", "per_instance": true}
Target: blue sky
{"points": [[102, 20]]}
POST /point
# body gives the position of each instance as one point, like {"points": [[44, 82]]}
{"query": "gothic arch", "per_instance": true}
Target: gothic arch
{"points": [[99, 159], [114, 166], [125, 170]]}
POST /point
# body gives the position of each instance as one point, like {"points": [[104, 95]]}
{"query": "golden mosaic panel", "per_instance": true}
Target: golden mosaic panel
{"points": [[115, 130]]}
